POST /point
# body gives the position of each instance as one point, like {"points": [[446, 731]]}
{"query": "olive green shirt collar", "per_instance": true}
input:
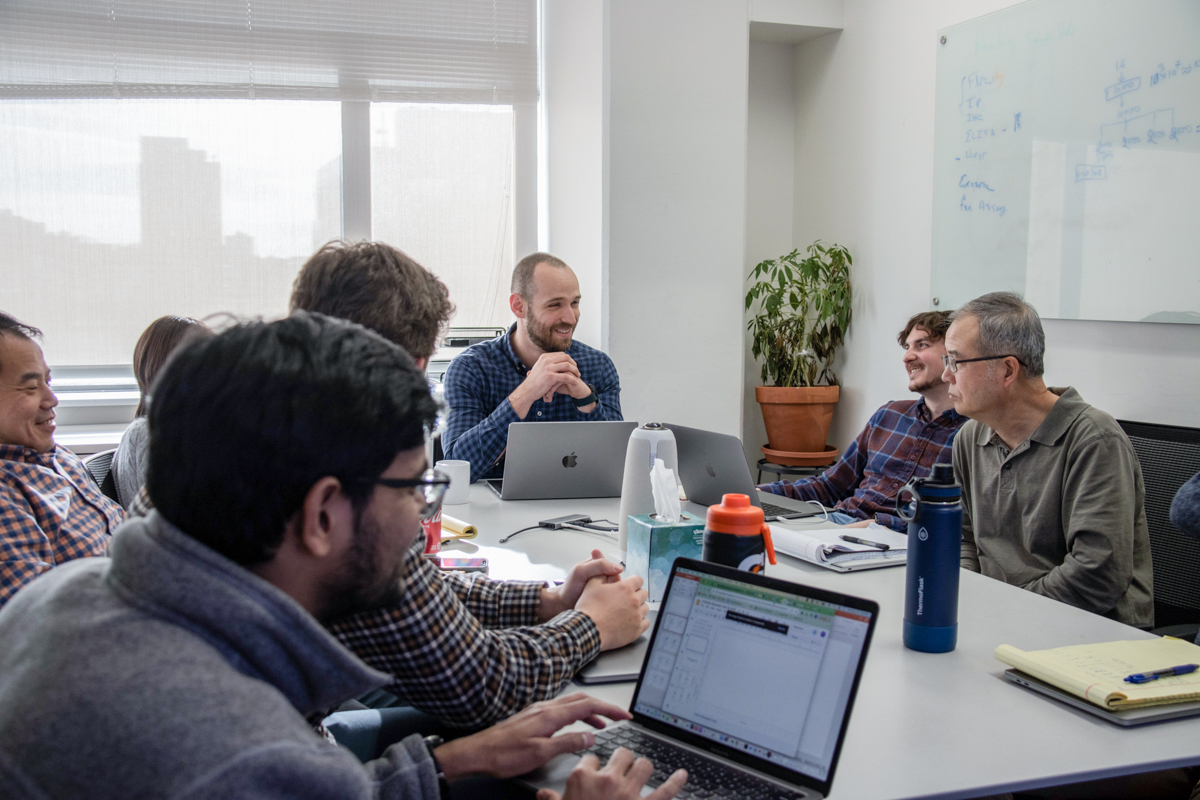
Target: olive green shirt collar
{"points": [[1062, 415]]}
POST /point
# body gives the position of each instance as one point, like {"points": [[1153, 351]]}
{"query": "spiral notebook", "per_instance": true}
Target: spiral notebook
{"points": [[822, 545]]}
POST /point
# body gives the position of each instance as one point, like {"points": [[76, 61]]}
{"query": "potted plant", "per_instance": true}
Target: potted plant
{"points": [[803, 314]]}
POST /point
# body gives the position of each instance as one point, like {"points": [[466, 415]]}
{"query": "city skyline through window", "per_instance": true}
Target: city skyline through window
{"points": [[115, 212]]}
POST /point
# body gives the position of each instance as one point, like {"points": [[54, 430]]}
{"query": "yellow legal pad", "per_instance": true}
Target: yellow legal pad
{"points": [[453, 528], [1096, 672]]}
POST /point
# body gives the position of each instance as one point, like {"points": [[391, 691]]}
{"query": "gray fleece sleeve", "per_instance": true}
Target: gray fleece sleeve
{"points": [[320, 770]]}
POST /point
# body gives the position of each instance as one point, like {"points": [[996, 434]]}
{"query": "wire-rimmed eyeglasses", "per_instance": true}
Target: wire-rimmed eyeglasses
{"points": [[951, 363], [429, 489]]}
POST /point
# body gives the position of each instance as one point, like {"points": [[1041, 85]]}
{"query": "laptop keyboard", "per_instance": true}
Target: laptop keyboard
{"points": [[706, 778], [772, 510]]}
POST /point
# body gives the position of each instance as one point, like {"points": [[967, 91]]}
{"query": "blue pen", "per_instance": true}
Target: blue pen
{"points": [[1146, 677]]}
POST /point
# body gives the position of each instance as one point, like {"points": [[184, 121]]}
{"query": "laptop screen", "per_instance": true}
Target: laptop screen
{"points": [[768, 673]]}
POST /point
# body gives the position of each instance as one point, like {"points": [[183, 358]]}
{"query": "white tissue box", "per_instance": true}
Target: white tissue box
{"points": [[653, 545]]}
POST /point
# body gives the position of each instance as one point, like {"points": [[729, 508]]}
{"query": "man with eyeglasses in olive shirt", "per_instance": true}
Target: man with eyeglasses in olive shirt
{"points": [[1053, 499]]}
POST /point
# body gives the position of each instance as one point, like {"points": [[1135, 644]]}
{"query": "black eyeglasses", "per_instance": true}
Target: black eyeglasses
{"points": [[430, 488], [951, 363]]}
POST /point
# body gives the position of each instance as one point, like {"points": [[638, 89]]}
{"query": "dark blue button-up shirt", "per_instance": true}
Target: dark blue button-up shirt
{"points": [[478, 383]]}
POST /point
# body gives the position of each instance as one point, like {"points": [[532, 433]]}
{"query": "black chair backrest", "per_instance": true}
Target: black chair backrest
{"points": [[99, 465], [1169, 455]]}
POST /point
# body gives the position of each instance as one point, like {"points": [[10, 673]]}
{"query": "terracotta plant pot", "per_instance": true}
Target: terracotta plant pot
{"points": [[797, 418]]}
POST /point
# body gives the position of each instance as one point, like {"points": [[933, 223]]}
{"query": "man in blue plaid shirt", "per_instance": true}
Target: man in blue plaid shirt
{"points": [[902, 440], [536, 372], [51, 511]]}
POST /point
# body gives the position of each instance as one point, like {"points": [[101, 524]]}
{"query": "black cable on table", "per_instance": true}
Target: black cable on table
{"points": [[514, 533]]}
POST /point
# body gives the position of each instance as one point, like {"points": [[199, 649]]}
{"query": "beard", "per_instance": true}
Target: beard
{"points": [[543, 336], [364, 584], [926, 383]]}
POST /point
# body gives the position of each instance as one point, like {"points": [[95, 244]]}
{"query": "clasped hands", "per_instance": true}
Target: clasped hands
{"points": [[553, 373], [594, 587]]}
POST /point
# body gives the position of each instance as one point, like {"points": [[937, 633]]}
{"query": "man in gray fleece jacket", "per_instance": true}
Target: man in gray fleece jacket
{"points": [[289, 475]]}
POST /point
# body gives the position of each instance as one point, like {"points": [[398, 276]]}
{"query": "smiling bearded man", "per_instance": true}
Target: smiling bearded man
{"points": [[536, 372], [902, 441]]}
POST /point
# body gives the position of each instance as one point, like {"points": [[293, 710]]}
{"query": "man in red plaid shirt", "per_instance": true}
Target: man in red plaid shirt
{"points": [[51, 510], [902, 440]]}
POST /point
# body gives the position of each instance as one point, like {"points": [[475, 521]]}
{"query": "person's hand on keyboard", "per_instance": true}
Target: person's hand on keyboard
{"points": [[526, 741], [622, 778]]}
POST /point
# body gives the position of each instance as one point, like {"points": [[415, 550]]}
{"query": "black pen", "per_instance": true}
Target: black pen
{"points": [[856, 540]]}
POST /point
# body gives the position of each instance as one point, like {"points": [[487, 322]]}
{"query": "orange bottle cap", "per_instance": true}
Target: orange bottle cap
{"points": [[735, 515]]}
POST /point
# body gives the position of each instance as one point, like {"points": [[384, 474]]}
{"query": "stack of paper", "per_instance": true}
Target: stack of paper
{"points": [[822, 544], [1097, 672]]}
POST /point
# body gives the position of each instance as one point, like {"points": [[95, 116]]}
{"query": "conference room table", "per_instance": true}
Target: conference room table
{"points": [[944, 725]]}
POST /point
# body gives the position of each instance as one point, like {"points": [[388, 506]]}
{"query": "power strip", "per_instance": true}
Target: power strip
{"points": [[558, 523]]}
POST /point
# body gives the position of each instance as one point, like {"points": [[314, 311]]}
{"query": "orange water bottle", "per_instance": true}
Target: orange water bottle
{"points": [[736, 535]]}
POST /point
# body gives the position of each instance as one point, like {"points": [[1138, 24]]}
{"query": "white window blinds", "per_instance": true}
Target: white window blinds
{"points": [[457, 51]]}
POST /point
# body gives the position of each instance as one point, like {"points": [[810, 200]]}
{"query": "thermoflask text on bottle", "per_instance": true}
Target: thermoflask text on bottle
{"points": [[934, 517]]}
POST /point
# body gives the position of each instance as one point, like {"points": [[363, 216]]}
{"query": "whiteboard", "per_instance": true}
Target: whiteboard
{"points": [[1067, 159]]}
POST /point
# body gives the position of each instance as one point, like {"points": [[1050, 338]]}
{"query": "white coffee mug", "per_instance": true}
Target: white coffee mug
{"points": [[459, 473]]}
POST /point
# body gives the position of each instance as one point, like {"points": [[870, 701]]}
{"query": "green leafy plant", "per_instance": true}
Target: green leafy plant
{"points": [[804, 311]]}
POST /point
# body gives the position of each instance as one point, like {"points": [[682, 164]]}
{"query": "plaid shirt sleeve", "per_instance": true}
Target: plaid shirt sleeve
{"points": [[51, 512], [609, 390], [836, 483], [142, 505], [453, 663], [25, 550], [476, 431]]}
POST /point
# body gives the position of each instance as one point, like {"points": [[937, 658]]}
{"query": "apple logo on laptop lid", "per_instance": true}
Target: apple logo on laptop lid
{"points": [[570, 461]]}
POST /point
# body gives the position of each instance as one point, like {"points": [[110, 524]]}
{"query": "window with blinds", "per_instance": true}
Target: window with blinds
{"points": [[185, 157]]}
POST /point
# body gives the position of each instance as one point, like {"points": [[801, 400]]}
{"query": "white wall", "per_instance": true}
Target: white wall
{"points": [[770, 145], [863, 178], [576, 150], [676, 199]]}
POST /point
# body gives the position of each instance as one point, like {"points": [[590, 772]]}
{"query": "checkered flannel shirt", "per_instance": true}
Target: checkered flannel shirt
{"points": [[468, 649], [462, 647], [478, 383], [901, 442], [51, 511]]}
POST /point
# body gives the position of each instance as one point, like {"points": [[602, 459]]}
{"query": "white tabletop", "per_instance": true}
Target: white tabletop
{"points": [[923, 725]]}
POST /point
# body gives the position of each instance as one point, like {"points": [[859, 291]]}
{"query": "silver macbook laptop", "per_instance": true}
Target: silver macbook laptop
{"points": [[714, 464], [553, 460], [1126, 718], [774, 730], [622, 664]]}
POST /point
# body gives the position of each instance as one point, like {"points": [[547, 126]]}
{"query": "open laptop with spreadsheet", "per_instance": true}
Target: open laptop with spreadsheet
{"points": [[748, 684]]}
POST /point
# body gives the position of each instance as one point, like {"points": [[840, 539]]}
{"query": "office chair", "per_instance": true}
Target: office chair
{"points": [[1169, 455], [99, 466]]}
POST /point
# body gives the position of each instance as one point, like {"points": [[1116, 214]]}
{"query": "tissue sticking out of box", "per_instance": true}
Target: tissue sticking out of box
{"points": [[666, 492]]}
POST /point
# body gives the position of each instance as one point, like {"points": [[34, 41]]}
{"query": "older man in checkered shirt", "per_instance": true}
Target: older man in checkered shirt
{"points": [[51, 510]]}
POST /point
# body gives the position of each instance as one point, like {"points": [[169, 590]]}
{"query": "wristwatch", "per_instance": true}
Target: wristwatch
{"points": [[586, 401], [431, 744]]}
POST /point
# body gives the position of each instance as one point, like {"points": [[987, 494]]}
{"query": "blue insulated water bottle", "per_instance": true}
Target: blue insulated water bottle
{"points": [[934, 516]]}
